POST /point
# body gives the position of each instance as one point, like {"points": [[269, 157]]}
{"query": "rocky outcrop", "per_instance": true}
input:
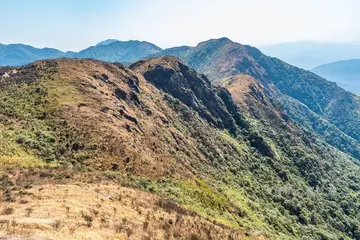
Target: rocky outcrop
{"points": [[193, 89]]}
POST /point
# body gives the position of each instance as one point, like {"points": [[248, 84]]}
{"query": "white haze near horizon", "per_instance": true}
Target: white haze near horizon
{"points": [[75, 25]]}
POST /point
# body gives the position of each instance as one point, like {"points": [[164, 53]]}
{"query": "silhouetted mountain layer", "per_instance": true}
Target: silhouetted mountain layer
{"points": [[345, 73], [110, 50], [117, 51], [20, 54], [311, 54], [106, 42]]}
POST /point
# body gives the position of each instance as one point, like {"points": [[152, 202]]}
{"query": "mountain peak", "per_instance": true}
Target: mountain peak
{"points": [[219, 58], [222, 40], [118, 51], [169, 61], [106, 42]]}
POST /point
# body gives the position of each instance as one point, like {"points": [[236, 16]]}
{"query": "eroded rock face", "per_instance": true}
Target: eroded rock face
{"points": [[191, 88], [225, 95]]}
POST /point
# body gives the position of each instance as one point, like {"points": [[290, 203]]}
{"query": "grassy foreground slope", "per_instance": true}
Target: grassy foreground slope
{"points": [[210, 155]]}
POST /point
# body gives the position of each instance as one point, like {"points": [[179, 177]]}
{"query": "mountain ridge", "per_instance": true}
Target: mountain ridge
{"points": [[109, 50], [222, 58], [118, 51]]}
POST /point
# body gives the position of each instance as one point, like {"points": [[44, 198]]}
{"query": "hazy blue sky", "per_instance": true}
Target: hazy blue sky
{"points": [[76, 24]]}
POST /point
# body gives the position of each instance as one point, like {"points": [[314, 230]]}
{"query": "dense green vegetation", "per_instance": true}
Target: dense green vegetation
{"points": [[330, 133], [325, 98], [308, 191]]}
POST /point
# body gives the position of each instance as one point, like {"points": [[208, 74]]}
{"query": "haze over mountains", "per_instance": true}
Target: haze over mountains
{"points": [[309, 55], [346, 73], [108, 50], [239, 144], [20, 54]]}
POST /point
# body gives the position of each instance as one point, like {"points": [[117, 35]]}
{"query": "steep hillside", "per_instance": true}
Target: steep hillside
{"points": [[250, 96], [225, 160], [325, 98], [73, 116], [193, 89], [345, 73], [118, 51], [329, 110], [20, 54], [272, 109]]}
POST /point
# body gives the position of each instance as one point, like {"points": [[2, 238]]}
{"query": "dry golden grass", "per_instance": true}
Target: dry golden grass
{"points": [[250, 96], [101, 211], [241, 88]]}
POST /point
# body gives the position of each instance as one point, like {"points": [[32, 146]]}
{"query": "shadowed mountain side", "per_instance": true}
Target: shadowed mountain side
{"points": [[193, 89]]}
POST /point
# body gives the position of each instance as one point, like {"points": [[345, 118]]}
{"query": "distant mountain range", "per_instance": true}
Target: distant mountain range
{"points": [[109, 50], [309, 55], [20, 54], [346, 73], [117, 51]]}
